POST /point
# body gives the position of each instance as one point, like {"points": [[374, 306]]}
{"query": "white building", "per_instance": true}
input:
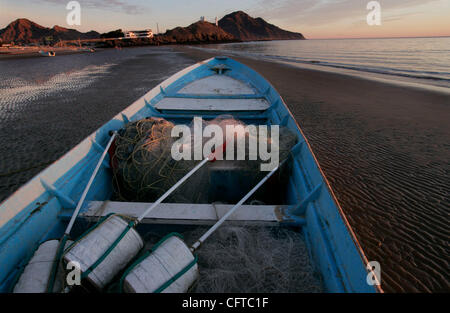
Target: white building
{"points": [[146, 33], [204, 19]]}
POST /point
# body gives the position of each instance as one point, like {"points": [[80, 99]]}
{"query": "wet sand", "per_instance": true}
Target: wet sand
{"points": [[384, 149], [42, 116]]}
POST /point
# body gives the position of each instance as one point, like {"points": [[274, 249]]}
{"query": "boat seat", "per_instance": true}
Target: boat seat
{"points": [[213, 104], [214, 93], [188, 213]]}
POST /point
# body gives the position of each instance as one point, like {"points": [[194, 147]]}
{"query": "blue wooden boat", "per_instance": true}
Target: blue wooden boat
{"points": [[40, 209], [47, 53]]}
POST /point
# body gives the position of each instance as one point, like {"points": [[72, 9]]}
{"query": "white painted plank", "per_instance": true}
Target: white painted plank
{"points": [[187, 213], [218, 84], [212, 104]]}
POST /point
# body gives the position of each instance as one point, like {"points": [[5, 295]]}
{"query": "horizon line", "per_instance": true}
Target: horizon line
{"points": [[393, 37]]}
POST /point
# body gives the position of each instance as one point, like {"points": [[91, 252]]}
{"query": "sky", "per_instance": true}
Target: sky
{"points": [[316, 19]]}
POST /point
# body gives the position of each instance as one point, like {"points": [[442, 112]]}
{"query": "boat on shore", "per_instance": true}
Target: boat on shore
{"points": [[47, 53], [40, 210]]}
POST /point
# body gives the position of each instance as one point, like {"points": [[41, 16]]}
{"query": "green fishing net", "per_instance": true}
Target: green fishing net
{"points": [[143, 166]]}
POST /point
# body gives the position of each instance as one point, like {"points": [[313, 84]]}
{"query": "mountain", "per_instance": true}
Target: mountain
{"points": [[237, 26], [25, 31], [245, 28], [199, 32], [113, 34]]}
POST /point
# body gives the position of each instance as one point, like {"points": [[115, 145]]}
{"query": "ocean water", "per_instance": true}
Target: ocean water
{"points": [[422, 60]]}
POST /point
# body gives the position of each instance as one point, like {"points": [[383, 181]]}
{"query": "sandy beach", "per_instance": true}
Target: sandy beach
{"points": [[384, 148]]}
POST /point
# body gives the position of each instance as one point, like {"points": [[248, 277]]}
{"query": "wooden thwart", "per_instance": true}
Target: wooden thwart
{"points": [[212, 104], [188, 213]]}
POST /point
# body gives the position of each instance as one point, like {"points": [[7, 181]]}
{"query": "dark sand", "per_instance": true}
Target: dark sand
{"points": [[37, 130], [385, 150]]}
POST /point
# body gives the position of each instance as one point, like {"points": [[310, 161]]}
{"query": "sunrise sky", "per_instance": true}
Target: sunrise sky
{"points": [[313, 18]]}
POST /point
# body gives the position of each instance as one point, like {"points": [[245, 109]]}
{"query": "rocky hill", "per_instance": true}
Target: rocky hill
{"points": [[25, 31], [237, 26], [245, 28], [199, 32]]}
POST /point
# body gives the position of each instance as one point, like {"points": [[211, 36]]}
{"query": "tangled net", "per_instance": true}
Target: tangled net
{"points": [[143, 166], [254, 259]]}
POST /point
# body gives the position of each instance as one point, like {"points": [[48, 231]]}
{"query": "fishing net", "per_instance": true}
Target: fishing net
{"points": [[143, 166], [253, 259]]}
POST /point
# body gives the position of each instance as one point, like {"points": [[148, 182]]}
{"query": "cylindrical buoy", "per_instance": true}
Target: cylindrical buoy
{"points": [[105, 250], [170, 268], [34, 278]]}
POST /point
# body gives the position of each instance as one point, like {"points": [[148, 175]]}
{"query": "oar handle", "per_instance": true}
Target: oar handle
{"points": [[211, 158], [233, 209], [88, 186], [62, 242]]}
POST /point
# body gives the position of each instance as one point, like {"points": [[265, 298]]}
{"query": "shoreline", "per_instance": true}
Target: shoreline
{"points": [[389, 79], [399, 80], [33, 52], [385, 79]]}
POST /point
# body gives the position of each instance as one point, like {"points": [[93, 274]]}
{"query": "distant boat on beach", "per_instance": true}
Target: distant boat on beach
{"points": [[88, 50], [47, 53]]}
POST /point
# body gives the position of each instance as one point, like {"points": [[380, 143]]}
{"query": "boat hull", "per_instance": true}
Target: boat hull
{"points": [[35, 213]]}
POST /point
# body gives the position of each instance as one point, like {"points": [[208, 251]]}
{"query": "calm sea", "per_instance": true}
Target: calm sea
{"points": [[423, 60]]}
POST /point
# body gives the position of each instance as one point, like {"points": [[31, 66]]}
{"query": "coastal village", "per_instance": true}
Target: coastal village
{"points": [[24, 36]]}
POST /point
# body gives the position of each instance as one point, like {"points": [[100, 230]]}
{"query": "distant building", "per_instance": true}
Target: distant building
{"points": [[146, 33], [204, 19]]}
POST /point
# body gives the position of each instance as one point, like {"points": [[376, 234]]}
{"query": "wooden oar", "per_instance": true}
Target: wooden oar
{"points": [[211, 158], [197, 244], [62, 242]]}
